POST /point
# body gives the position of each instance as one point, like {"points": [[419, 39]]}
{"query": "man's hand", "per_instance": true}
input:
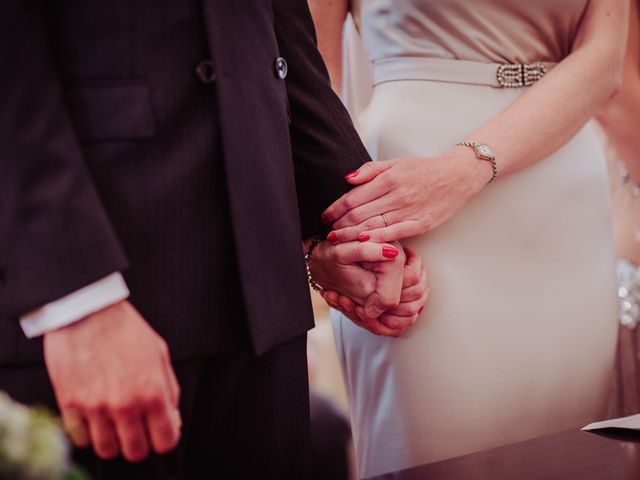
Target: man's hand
{"points": [[114, 384]]}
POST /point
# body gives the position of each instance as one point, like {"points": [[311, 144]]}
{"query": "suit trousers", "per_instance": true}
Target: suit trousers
{"points": [[243, 417]]}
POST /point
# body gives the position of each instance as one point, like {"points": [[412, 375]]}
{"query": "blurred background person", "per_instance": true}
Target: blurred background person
{"points": [[620, 120]]}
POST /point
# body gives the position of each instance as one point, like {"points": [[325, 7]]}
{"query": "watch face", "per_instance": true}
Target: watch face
{"points": [[484, 150]]}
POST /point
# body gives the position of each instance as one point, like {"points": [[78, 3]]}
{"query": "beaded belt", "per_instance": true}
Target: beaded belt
{"points": [[513, 75]]}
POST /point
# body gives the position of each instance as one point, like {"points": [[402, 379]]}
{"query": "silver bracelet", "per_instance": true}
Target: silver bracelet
{"points": [[483, 151], [307, 262]]}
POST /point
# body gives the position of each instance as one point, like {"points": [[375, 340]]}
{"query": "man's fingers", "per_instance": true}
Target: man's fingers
{"points": [[416, 291], [412, 269], [356, 252], [415, 306], [163, 424], [392, 321], [411, 294], [346, 303], [340, 302], [103, 434], [407, 309], [331, 298], [374, 326], [353, 316], [132, 435], [383, 331], [373, 310], [76, 427], [174, 386]]}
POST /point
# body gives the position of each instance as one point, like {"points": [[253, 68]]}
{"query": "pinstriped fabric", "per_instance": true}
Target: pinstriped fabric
{"points": [[196, 187]]}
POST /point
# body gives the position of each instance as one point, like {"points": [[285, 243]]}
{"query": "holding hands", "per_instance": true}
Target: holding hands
{"points": [[395, 321], [382, 288], [393, 200]]}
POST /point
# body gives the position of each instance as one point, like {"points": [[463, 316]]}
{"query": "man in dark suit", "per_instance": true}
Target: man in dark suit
{"points": [[158, 176]]}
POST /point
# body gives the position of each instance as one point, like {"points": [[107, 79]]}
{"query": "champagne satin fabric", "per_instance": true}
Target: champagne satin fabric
{"points": [[519, 335], [501, 31], [518, 338]]}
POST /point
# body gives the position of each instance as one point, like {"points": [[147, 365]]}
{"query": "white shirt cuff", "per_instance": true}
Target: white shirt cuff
{"points": [[75, 306]]}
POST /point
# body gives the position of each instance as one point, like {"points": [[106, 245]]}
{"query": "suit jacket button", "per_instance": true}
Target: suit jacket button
{"points": [[206, 72], [281, 68]]}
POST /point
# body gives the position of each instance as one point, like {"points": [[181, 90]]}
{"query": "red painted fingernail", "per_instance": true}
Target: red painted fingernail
{"points": [[351, 175], [420, 311], [390, 252], [363, 237], [332, 237]]}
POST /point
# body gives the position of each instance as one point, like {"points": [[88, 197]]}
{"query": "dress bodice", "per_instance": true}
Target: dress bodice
{"points": [[497, 31]]}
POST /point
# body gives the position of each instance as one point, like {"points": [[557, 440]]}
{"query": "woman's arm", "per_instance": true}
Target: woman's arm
{"points": [[543, 119], [550, 113], [619, 120], [329, 17], [620, 116]]}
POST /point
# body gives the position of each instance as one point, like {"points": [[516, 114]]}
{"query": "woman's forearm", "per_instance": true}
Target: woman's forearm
{"points": [[620, 116], [329, 17], [620, 123], [552, 111]]}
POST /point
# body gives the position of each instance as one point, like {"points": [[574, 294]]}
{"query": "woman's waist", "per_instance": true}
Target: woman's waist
{"points": [[497, 75]]}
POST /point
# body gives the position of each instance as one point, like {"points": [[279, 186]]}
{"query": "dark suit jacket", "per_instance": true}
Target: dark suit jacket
{"points": [[114, 155]]}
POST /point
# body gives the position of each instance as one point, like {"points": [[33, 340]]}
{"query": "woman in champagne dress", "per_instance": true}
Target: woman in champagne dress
{"points": [[518, 337]]}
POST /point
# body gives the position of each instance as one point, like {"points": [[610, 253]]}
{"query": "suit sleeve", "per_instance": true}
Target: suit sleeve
{"points": [[325, 144], [55, 236]]}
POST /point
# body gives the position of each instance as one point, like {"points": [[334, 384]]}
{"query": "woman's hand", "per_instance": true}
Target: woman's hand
{"points": [[405, 197], [395, 322]]}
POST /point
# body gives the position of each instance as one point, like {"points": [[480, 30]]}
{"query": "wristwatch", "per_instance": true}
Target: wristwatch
{"points": [[483, 152]]}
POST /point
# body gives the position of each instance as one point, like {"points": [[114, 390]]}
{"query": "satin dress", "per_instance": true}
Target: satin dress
{"points": [[518, 337]]}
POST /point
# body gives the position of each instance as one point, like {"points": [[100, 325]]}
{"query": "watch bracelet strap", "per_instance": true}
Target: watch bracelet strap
{"points": [[307, 263], [492, 160]]}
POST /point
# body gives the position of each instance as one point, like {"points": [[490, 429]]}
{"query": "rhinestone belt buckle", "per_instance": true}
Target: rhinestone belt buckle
{"points": [[515, 75]]}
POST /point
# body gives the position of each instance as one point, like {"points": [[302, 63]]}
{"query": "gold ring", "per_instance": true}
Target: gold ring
{"points": [[384, 220]]}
